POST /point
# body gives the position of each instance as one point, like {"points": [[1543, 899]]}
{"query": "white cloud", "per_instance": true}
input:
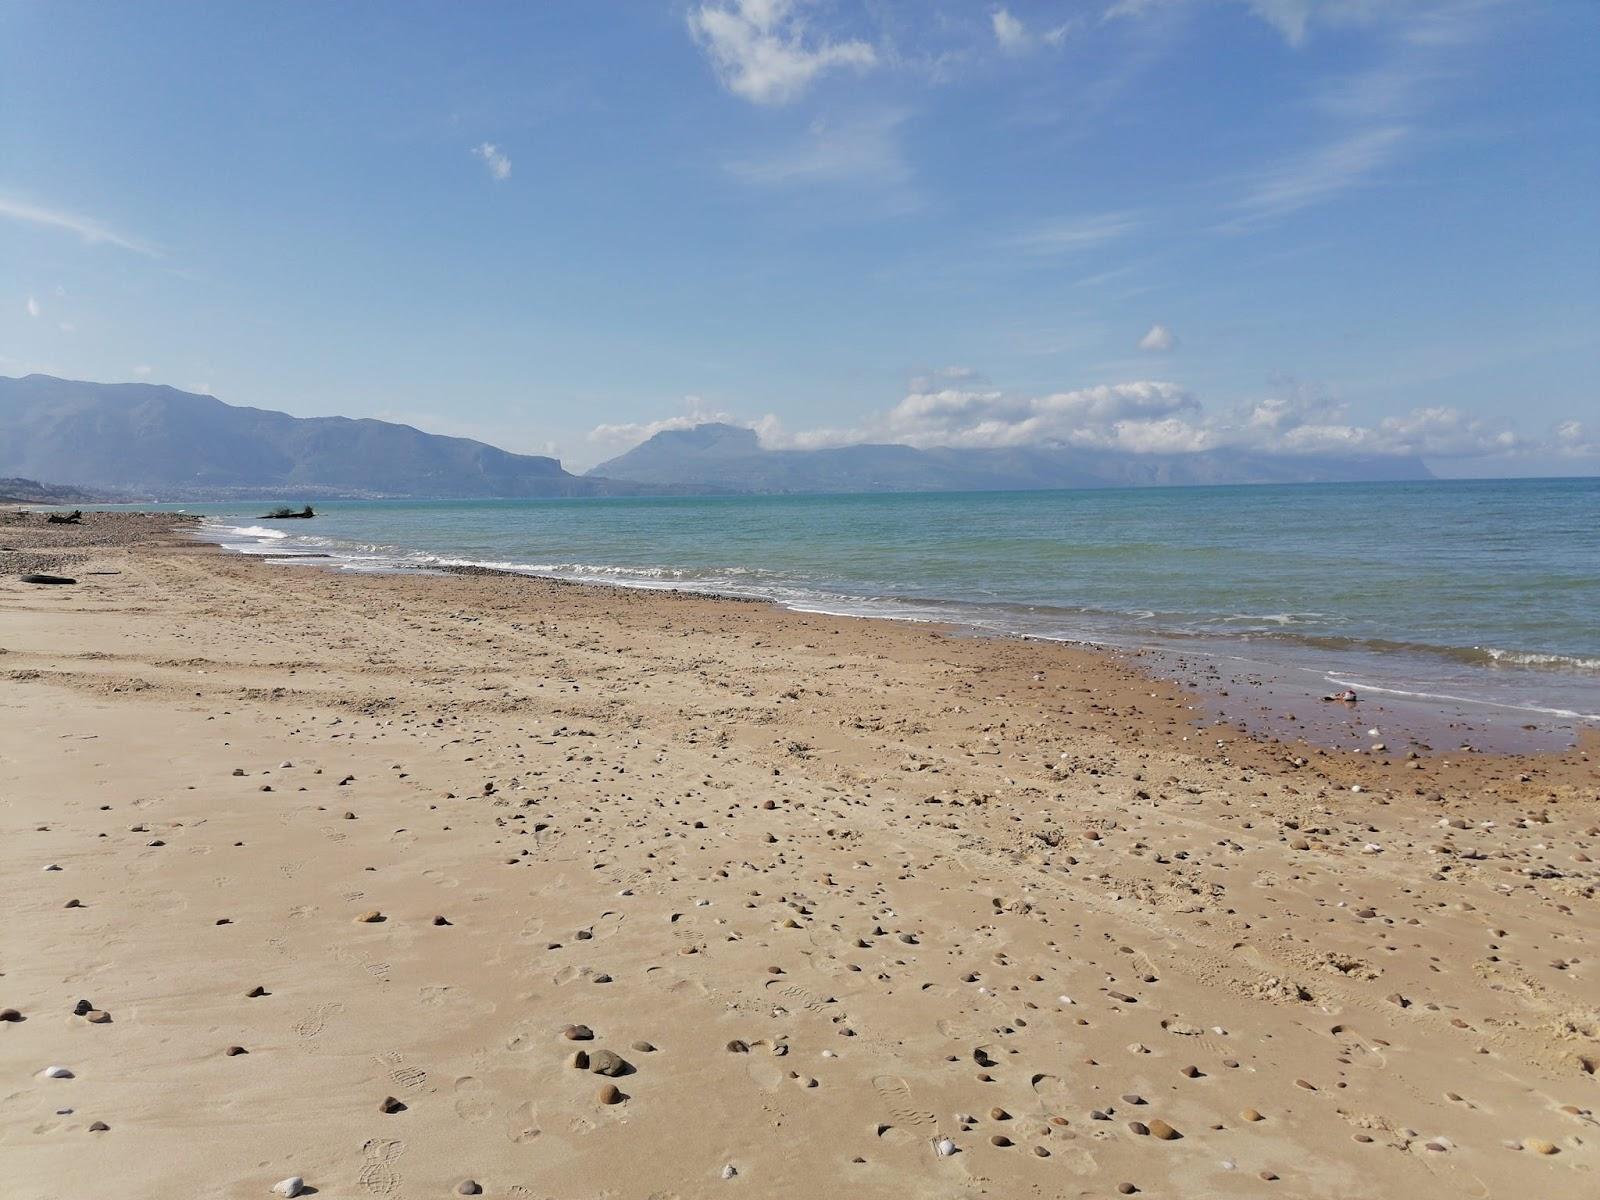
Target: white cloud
{"points": [[1013, 37], [32, 307], [626, 434], [1158, 340], [1311, 178], [954, 407], [1009, 33], [760, 50], [67, 327], [864, 148], [142, 370], [93, 232], [1291, 18], [1076, 234], [495, 159]]}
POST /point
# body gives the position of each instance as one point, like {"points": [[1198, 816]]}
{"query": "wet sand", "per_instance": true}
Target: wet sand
{"points": [[394, 883]]}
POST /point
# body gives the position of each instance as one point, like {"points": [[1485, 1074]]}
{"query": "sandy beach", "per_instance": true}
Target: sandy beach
{"points": [[394, 883]]}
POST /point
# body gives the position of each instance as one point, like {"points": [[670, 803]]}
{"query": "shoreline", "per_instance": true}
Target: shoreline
{"points": [[1235, 686], [833, 891]]}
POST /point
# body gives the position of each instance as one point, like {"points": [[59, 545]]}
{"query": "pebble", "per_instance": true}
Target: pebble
{"points": [[99, 1127], [233, 1051], [10, 1014], [96, 1016], [1538, 1145], [729, 1171], [390, 1105], [468, 1187], [371, 917], [56, 1073], [577, 1033], [1160, 1129], [603, 1062], [291, 1186], [1251, 1114], [609, 1094], [944, 1147]]}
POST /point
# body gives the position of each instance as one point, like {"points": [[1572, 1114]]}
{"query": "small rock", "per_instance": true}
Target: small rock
{"points": [[293, 1185], [944, 1147], [1160, 1129], [371, 917], [579, 1060], [96, 1016], [56, 1073], [390, 1105], [99, 1127], [577, 1033], [603, 1062], [235, 1051], [1538, 1145], [81, 1008], [10, 1014], [258, 990], [468, 1187], [609, 1094], [729, 1171], [1251, 1114]]}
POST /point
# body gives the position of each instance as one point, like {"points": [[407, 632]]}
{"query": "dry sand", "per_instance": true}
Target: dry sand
{"points": [[828, 894]]}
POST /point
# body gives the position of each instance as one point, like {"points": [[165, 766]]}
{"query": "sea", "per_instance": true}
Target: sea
{"points": [[1475, 601]]}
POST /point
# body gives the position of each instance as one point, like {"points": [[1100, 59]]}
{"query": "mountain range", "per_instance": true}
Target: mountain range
{"points": [[731, 457], [174, 445], [152, 441]]}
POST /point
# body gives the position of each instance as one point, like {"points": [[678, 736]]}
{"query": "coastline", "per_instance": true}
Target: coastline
{"points": [[536, 760]]}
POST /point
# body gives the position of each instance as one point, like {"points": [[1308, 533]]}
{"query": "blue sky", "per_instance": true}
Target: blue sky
{"points": [[1297, 225]]}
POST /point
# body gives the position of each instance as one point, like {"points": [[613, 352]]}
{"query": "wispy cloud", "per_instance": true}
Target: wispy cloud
{"points": [[1075, 234], [761, 51], [32, 307], [862, 147], [498, 162], [1014, 37], [92, 231], [1317, 175]]}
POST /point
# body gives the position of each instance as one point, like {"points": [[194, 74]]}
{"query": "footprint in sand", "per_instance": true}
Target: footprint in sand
{"points": [[896, 1096], [378, 1175], [440, 879], [315, 1021], [798, 995], [523, 1125], [471, 1103], [409, 1077]]}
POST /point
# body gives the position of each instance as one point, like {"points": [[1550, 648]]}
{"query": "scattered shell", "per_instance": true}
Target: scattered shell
{"points": [[56, 1073], [944, 1147]]}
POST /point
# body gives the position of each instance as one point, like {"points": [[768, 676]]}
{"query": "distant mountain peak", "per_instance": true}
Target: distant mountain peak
{"points": [[731, 458]]}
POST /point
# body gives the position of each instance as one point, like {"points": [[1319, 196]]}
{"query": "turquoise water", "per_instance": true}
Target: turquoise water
{"points": [[1484, 591]]}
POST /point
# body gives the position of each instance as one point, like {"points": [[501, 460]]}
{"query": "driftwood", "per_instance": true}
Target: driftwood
{"points": [[47, 579], [287, 514], [71, 518]]}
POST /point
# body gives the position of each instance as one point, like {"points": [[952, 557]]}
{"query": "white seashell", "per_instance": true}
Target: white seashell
{"points": [[56, 1073], [729, 1171], [291, 1186], [944, 1147], [1066, 999]]}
